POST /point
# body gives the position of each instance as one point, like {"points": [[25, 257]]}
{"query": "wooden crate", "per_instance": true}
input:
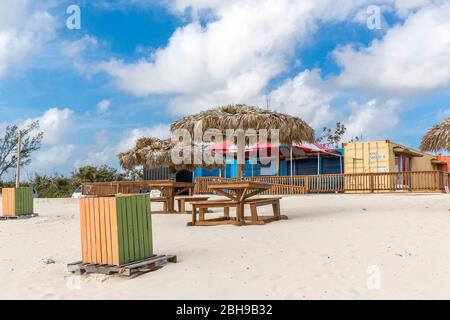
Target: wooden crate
{"points": [[17, 201], [116, 230]]}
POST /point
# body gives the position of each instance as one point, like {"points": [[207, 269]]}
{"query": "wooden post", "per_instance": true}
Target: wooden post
{"points": [[371, 183], [19, 145], [279, 167], [240, 169]]}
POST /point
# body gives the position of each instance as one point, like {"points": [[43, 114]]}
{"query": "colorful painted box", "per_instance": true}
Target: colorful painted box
{"points": [[17, 201], [116, 230]]}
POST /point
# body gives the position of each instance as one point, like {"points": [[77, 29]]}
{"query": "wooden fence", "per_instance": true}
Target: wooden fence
{"points": [[423, 181]]}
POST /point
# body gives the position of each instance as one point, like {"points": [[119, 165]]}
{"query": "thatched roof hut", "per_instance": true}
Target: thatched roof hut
{"points": [[437, 138], [148, 152], [154, 153], [292, 129]]}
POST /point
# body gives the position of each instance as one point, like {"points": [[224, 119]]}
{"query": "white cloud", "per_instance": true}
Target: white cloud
{"points": [[412, 57], [306, 96], [103, 106], [131, 136], [23, 31], [55, 123], [51, 158], [244, 45], [56, 152], [405, 7], [105, 152], [76, 47], [373, 119]]}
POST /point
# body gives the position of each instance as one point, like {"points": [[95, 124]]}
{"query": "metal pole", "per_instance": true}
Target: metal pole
{"points": [[18, 160], [319, 182], [292, 179], [291, 160], [318, 163]]}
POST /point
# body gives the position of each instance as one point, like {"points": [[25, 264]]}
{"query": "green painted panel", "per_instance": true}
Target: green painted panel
{"points": [[120, 231], [149, 225], [143, 210], [134, 228], [140, 236], [126, 243], [134, 213], [23, 200], [130, 229]]}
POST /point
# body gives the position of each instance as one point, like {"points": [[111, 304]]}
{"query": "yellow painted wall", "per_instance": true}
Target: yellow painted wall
{"points": [[378, 156], [368, 157]]}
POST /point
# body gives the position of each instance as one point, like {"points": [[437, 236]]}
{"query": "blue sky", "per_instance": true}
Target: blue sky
{"points": [[136, 66]]}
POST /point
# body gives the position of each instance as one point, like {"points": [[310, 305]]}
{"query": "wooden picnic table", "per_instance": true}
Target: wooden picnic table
{"points": [[239, 192], [170, 189]]}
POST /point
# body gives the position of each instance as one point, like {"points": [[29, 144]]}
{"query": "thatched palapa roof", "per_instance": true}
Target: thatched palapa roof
{"points": [[154, 153], [437, 138], [292, 129], [148, 152]]}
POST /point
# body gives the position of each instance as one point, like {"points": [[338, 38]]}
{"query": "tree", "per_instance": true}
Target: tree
{"points": [[97, 174], [333, 139], [134, 174], [31, 142]]}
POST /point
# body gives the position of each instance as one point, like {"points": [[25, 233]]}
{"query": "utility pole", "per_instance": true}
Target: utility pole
{"points": [[18, 160]]}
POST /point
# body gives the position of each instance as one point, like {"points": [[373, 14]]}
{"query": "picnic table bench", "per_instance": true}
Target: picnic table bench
{"points": [[200, 208], [162, 200], [188, 199]]}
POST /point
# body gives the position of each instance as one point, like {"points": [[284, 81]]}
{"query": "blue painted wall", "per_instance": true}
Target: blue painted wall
{"points": [[328, 165]]}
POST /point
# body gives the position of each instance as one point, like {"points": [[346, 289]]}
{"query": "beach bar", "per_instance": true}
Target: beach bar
{"points": [[116, 230], [17, 201]]}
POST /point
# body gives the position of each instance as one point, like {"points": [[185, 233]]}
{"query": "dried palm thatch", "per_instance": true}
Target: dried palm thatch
{"points": [[437, 138], [154, 153], [292, 129], [148, 152]]}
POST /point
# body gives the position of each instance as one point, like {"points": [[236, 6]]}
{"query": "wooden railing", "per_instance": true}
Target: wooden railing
{"points": [[126, 187], [423, 181], [280, 185]]}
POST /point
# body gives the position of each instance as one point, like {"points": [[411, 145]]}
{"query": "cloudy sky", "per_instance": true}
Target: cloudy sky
{"points": [[135, 66]]}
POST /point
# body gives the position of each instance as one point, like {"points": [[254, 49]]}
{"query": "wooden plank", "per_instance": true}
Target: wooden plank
{"points": [[92, 230], [83, 226], [134, 213], [109, 249], [102, 219], [130, 228], [143, 211], [115, 231], [125, 243], [149, 226], [17, 201], [98, 240], [140, 225]]}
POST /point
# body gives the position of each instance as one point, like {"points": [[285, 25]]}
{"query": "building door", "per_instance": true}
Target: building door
{"points": [[403, 166]]}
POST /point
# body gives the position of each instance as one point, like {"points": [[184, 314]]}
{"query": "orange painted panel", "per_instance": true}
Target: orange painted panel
{"points": [[98, 240], [107, 203], [102, 220], [83, 230], [92, 230], [8, 202]]}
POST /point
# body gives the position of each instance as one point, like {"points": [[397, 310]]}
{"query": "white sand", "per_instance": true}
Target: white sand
{"points": [[324, 250]]}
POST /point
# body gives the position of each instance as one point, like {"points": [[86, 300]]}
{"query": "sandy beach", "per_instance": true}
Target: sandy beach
{"points": [[330, 248]]}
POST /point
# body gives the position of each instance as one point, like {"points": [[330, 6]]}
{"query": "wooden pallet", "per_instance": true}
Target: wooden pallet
{"points": [[21, 217], [129, 269]]}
